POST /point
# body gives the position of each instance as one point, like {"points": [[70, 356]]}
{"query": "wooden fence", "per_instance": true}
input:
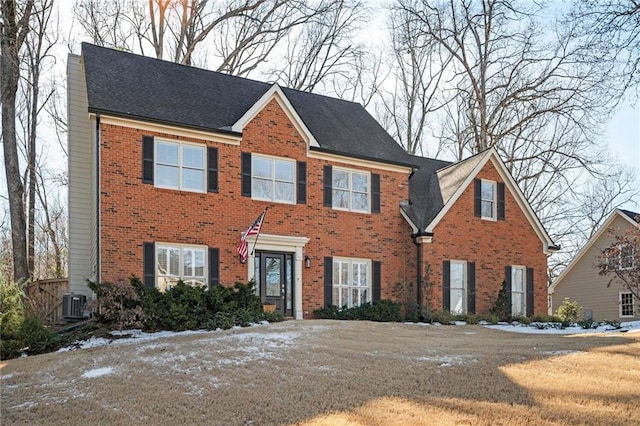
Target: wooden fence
{"points": [[46, 298]]}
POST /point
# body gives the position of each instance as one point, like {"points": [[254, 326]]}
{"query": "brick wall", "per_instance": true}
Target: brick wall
{"points": [[133, 212], [491, 244]]}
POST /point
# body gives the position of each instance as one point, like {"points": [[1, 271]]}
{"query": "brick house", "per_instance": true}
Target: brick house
{"points": [[169, 165]]}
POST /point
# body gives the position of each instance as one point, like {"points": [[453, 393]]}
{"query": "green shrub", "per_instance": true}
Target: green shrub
{"points": [[382, 311], [588, 324], [442, 317], [613, 323], [12, 308], [544, 318], [569, 311], [490, 318]]}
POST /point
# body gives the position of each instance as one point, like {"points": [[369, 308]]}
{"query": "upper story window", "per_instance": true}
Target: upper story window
{"points": [[179, 262], [621, 257], [273, 179], [351, 190], [489, 199], [488, 194], [179, 165]]}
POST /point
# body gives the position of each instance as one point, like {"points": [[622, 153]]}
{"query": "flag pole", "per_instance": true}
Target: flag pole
{"points": [[264, 214]]}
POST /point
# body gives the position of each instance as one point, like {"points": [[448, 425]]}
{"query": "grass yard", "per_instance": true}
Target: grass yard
{"points": [[333, 373]]}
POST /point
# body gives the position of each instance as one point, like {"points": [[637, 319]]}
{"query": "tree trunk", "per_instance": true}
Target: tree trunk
{"points": [[12, 37]]}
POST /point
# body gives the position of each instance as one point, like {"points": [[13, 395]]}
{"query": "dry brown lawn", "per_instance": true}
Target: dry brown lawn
{"points": [[333, 373]]}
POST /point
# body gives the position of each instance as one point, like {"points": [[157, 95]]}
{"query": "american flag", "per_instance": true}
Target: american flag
{"points": [[254, 229]]}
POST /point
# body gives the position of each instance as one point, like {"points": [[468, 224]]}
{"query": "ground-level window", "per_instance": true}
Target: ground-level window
{"points": [[458, 289], [626, 305], [518, 294], [175, 262], [351, 282]]}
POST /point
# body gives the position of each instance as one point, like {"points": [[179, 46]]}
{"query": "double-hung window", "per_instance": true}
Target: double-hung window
{"points": [[626, 305], [488, 199], [350, 190], [180, 166], [518, 291], [273, 179], [180, 262], [351, 282], [458, 287], [622, 257]]}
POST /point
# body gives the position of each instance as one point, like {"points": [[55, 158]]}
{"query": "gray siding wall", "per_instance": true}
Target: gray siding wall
{"points": [[82, 206], [585, 286]]}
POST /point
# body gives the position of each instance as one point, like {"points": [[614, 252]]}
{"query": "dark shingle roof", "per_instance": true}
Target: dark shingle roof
{"points": [[633, 215], [129, 85]]}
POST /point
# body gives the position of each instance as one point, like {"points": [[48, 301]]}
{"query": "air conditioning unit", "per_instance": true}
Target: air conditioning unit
{"points": [[73, 306]]}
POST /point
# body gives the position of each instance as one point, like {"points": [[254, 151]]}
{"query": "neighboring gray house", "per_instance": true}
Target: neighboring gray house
{"points": [[581, 282]]}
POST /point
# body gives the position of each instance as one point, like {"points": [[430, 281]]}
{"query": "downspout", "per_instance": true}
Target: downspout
{"points": [[419, 295], [97, 182]]}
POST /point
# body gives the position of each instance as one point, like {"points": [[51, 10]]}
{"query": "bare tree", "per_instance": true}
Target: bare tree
{"points": [[323, 49], [611, 30], [418, 65], [15, 27]]}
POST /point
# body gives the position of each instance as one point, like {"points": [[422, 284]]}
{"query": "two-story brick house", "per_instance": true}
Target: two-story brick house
{"points": [[169, 165]]}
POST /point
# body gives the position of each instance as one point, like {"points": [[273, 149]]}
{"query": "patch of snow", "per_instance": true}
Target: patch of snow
{"points": [[459, 323], [539, 328], [97, 372], [6, 376], [27, 405], [447, 360], [561, 352]]}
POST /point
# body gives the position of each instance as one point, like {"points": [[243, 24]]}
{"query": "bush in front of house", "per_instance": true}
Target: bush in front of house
{"points": [[21, 329], [184, 307], [569, 311], [381, 311]]}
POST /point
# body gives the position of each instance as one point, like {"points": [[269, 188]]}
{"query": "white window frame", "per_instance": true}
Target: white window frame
{"points": [[523, 306], [273, 179], [167, 280], [616, 261], [622, 305], [180, 166], [349, 287], [350, 190], [494, 201], [463, 290]]}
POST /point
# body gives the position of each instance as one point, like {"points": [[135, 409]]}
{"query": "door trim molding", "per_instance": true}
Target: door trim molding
{"points": [[285, 244]]}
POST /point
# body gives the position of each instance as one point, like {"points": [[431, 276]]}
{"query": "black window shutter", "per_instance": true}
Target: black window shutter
{"points": [[530, 295], [507, 281], [471, 287], [214, 267], [149, 257], [477, 192], [246, 174], [147, 159], [501, 205], [212, 169], [328, 281], [375, 193], [377, 279], [446, 285], [302, 183], [327, 185]]}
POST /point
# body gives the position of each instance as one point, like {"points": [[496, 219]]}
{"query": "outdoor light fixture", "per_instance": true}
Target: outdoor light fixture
{"points": [[307, 262]]}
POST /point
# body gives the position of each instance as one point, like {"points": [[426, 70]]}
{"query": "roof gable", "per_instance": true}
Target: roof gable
{"points": [[436, 191], [627, 215]]}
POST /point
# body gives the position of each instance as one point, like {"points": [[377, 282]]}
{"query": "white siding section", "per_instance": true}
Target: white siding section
{"points": [[583, 284], [82, 206]]}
